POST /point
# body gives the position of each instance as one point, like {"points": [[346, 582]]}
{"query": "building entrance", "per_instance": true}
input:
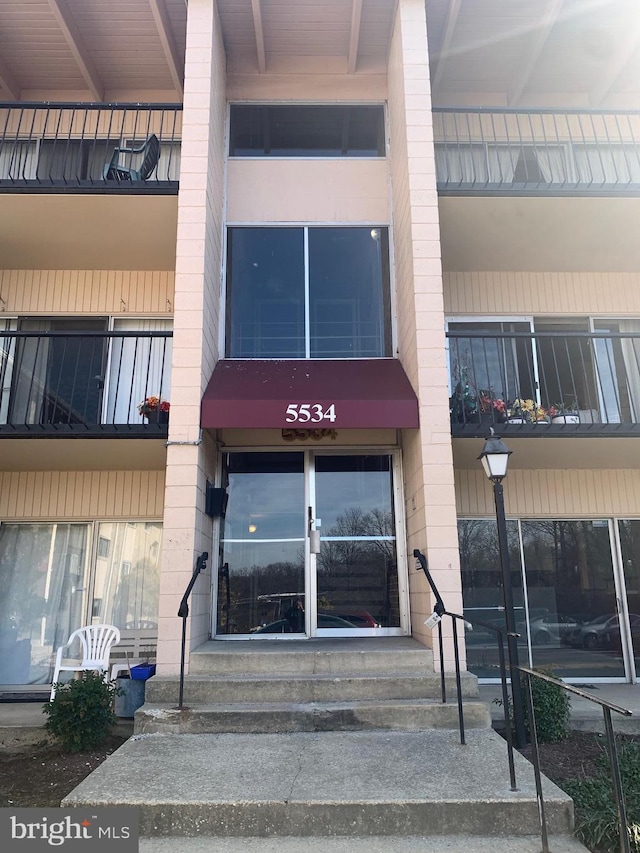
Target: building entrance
{"points": [[308, 547]]}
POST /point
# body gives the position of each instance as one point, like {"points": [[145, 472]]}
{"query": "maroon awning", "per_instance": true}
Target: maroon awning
{"points": [[323, 393]]}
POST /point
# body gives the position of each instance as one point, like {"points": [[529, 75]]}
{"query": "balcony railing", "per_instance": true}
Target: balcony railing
{"points": [[537, 152], [69, 147], [560, 383], [84, 383]]}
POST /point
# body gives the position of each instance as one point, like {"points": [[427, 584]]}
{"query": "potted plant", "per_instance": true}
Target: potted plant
{"points": [[463, 403], [155, 409], [564, 413], [492, 409], [526, 411]]}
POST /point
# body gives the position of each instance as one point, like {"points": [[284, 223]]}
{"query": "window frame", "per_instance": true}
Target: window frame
{"points": [[257, 155], [388, 305]]}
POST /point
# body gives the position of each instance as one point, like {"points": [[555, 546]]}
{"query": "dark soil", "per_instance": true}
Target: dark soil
{"points": [[42, 774], [576, 757]]}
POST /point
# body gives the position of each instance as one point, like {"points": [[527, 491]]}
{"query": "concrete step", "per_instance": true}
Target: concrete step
{"points": [[207, 689], [357, 656], [356, 784], [274, 717], [375, 844]]}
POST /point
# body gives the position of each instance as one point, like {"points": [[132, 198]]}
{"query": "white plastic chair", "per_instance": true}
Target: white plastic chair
{"points": [[96, 642]]}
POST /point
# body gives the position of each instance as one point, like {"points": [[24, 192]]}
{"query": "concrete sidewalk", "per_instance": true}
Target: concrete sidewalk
{"points": [[586, 716]]}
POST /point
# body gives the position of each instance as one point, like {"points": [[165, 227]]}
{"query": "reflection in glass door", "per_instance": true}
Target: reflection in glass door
{"points": [[271, 580], [262, 566], [357, 571]]}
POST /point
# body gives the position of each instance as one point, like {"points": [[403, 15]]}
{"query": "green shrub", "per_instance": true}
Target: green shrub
{"points": [[595, 804], [81, 714], [551, 705]]}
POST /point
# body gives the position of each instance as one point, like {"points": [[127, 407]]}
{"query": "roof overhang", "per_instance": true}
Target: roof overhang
{"points": [[310, 394]]}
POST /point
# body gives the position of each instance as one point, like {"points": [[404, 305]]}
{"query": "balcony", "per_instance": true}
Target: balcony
{"points": [[537, 152], [69, 148], [83, 384], [551, 383]]}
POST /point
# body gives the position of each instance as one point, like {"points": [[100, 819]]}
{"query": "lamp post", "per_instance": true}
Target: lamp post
{"points": [[495, 459]]}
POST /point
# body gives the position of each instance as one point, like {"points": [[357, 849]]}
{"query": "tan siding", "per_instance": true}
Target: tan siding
{"points": [[81, 494], [579, 293], [556, 494], [119, 292]]}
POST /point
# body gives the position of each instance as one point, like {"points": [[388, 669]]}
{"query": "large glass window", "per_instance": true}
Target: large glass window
{"points": [[43, 588], [293, 130], [308, 293], [566, 613]]}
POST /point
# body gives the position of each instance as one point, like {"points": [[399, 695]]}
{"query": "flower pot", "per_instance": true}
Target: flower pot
{"points": [[566, 419], [157, 417], [516, 420], [143, 671]]}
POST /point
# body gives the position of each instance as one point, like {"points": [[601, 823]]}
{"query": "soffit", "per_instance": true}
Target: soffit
{"points": [[120, 38], [296, 35], [535, 52]]}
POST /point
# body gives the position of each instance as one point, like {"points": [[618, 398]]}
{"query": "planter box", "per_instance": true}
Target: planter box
{"points": [[143, 671]]}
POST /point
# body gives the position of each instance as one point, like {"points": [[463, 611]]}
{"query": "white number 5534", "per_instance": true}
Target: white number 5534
{"points": [[302, 413]]}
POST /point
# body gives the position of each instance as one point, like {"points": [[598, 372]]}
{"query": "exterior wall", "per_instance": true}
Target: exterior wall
{"points": [[307, 191], [553, 493], [427, 457], [56, 495], [319, 86], [605, 294], [190, 457], [119, 292]]}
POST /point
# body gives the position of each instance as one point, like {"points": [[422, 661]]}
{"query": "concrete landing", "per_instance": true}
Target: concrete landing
{"points": [[375, 844], [323, 784]]}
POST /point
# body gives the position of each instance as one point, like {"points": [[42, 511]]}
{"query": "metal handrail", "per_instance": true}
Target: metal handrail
{"points": [[592, 375], [90, 148], [607, 708], [494, 151], [501, 635], [183, 612], [82, 380]]}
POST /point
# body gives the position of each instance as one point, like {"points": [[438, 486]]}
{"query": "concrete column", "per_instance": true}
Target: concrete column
{"points": [[191, 460], [427, 452]]}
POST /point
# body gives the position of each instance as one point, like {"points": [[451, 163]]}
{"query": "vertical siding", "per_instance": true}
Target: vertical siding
{"points": [[580, 293], [56, 495], [554, 494], [86, 292]]}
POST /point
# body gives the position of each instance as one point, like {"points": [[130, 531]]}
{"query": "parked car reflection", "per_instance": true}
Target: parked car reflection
{"points": [[551, 628], [283, 626], [591, 635]]}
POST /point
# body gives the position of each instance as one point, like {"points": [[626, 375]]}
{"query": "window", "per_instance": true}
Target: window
{"points": [[126, 586], [104, 547], [308, 293], [306, 131]]}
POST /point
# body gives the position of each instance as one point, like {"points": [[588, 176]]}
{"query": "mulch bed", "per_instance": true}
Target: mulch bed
{"points": [[42, 774]]}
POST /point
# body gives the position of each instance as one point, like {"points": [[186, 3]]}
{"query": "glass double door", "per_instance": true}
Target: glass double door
{"points": [[308, 546]]}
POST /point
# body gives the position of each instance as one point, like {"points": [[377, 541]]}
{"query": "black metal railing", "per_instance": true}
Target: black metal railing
{"points": [[507, 702], [183, 612], [607, 708], [565, 383], [84, 383], [57, 147], [535, 152]]}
